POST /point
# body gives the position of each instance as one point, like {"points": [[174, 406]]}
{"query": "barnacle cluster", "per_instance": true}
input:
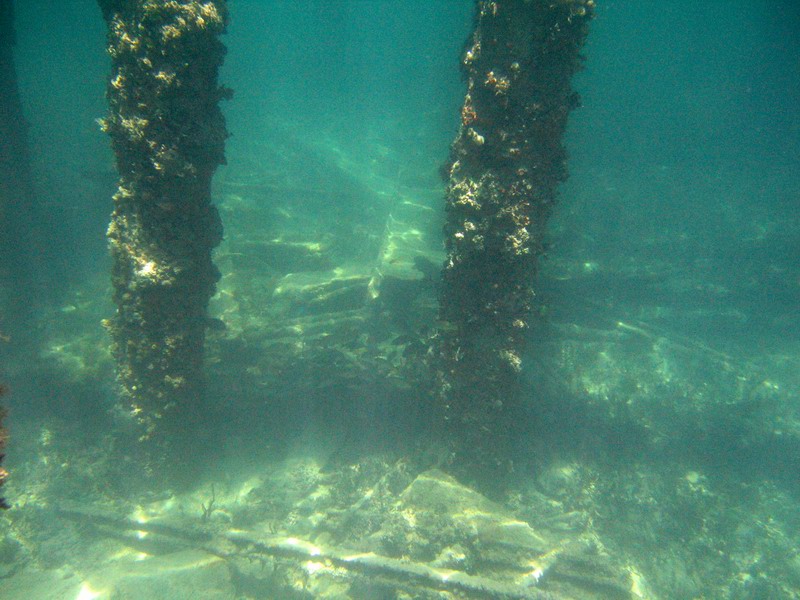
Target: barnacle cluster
{"points": [[498, 83]]}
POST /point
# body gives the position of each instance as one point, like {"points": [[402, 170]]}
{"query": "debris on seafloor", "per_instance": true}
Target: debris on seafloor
{"points": [[435, 536]]}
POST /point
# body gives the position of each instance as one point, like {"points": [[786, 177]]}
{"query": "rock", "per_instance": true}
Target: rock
{"points": [[502, 538], [468, 532]]}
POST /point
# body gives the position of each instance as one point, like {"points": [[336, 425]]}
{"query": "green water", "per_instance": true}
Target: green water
{"points": [[660, 452]]}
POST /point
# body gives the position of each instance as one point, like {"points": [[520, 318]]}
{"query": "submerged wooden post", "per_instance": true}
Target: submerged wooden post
{"points": [[503, 173], [168, 135], [16, 199]]}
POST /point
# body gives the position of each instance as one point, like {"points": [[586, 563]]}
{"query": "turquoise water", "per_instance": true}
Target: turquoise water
{"points": [[662, 434]]}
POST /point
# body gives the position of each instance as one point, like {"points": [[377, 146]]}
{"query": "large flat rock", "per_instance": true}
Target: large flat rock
{"points": [[503, 538]]}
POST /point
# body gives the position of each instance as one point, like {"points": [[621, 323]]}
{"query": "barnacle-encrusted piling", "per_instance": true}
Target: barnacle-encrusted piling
{"points": [[168, 135], [16, 194], [504, 170]]}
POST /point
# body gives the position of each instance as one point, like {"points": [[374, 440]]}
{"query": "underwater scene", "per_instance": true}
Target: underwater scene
{"points": [[399, 299]]}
